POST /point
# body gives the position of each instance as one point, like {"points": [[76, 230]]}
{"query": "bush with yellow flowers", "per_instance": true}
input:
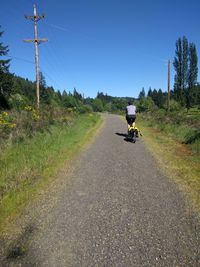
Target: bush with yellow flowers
{"points": [[34, 114], [7, 124], [18, 125], [28, 108], [69, 110], [6, 121]]}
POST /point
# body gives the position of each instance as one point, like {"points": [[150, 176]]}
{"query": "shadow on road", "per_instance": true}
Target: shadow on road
{"points": [[124, 135], [121, 134]]}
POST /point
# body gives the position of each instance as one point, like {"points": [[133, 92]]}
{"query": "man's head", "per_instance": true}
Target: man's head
{"points": [[130, 102]]}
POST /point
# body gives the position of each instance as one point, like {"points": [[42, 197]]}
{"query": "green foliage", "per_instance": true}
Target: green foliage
{"points": [[110, 103], [16, 126], [141, 94], [97, 105], [193, 68], [192, 136], [181, 63], [108, 107], [18, 101], [174, 105], [181, 125], [3, 102], [27, 165], [119, 104], [5, 77], [17, 92], [84, 109], [196, 146], [4, 64], [69, 101], [145, 104], [104, 98], [7, 124], [42, 80], [149, 92], [186, 69], [24, 87], [77, 95]]}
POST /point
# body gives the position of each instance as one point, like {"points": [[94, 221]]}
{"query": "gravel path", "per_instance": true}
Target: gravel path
{"points": [[118, 210]]}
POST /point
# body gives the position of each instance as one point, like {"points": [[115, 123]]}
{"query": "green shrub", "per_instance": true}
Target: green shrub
{"points": [[16, 126], [145, 104], [196, 146], [18, 101], [174, 105], [180, 124], [192, 136], [84, 109]]}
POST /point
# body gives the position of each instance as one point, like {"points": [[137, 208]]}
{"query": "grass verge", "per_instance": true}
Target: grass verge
{"points": [[176, 159], [28, 166]]}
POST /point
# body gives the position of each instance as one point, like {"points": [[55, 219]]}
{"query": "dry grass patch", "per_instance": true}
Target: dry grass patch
{"points": [[177, 160]]}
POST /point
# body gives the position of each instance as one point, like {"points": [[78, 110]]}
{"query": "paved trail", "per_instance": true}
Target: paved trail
{"points": [[119, 210]]}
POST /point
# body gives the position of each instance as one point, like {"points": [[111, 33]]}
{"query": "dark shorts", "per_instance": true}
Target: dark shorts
{"points": [[130, 118]]}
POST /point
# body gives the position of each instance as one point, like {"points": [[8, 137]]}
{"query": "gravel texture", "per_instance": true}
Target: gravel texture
{"points": [[117, 210]]}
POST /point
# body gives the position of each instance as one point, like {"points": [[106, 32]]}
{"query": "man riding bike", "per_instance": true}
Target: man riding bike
{"points": [[131, 113], [130, 117]]}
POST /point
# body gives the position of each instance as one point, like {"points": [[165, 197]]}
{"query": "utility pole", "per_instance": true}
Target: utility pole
{"points": [[35, 18], [168, 102]]}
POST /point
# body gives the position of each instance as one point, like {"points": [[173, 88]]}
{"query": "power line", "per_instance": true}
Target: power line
{"points": [[57, 27], [31, 62], [83, 35], [22, 59], [45, 73]]}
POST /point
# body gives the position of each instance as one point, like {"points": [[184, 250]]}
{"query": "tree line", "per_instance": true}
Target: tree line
{"points": [[17, 92], [186, 90]]}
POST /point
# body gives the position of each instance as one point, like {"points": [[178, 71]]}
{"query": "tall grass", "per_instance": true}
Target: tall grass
{"points": [[27, 165], [176, 148], [182, 126]]}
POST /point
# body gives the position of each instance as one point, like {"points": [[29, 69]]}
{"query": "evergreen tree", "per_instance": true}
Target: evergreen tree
{"points": [[42, 80], [77, 95], [141, 94], [192, 76], [24, 87], [193, 68], [149, 92], [5, 77], [185, 62], [4, 64], [154, 96], [64, 94], [59, 95], [181, 68], [160, 99], [44, 91], [178, 65]]}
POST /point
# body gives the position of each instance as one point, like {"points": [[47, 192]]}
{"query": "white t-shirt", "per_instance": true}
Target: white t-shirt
{"points": [[131, 110]]}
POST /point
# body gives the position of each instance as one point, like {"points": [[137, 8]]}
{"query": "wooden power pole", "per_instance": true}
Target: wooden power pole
{"points": [[35, 18], [168, 85]]}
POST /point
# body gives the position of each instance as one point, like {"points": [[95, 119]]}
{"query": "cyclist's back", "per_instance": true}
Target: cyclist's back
{"points": [[130, 113]]}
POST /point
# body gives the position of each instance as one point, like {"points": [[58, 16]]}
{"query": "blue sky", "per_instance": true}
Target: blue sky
{"points": [[113, 46]]}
